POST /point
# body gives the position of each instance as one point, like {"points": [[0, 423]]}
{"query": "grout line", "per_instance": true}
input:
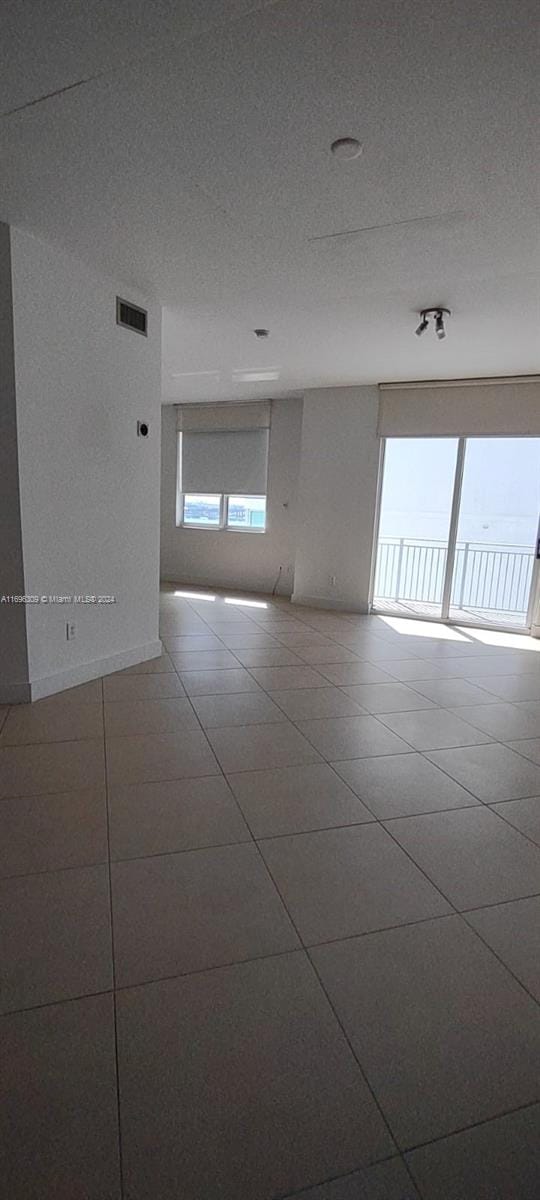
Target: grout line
{"points": [[366, 933], [323, 1183], [246, 841], [374, 820], [496, 954], [307, 956], [224, 966], [84, 866], [461, 913], [352, 937], [93, 737], [508, 1112], [11, 1012], [361, 1069], [497, 803], [426, 753], [221, 772]]}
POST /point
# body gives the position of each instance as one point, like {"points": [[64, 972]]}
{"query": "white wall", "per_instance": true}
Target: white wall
{"points": [[250, 561], [337, 497], [89, 486], [13, 657]]}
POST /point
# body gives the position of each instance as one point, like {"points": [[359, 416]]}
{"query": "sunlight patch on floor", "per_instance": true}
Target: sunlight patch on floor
{"points": [[429, 629], [498, 637]]}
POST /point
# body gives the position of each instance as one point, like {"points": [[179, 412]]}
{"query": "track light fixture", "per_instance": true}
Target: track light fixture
{"points": [[438, 315]]}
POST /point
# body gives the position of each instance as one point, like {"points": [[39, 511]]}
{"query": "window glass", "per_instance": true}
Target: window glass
{"points": [[497, 529], [416, 504], [246, 512], [201, 509]]}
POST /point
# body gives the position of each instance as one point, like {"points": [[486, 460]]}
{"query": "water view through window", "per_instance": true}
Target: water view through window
{"points": [[242, 512], [202, 510], [479, 567], [246, 512]]}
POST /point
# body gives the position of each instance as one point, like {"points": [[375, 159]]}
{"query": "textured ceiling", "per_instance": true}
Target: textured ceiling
{"points": [[194, 162]]}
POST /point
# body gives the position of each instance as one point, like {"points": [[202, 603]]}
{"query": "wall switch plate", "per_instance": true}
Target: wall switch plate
{"points": [[71, 631]]}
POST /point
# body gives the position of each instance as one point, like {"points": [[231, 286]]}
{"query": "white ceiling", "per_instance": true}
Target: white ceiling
{"points": [[195, 163]]}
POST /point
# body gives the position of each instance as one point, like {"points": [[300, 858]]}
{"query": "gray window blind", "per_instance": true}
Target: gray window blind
{"points": [[225, 462], [224, 448]]}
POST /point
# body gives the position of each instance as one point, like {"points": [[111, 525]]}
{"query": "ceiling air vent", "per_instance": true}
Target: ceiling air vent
{"points": [[131, 317]]}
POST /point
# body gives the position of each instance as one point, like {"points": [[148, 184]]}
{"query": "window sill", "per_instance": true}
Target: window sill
{"points": [[232, 529], [218, 529]]}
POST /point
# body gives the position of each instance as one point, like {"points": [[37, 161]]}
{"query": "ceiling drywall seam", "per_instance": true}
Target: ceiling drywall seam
{"points": [[211, 26]]}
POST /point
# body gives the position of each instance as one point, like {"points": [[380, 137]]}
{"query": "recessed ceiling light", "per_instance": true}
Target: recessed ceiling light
{"points": [[346, 148], [255, 376]]}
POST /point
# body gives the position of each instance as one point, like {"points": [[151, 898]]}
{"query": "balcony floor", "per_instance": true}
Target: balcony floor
{"points": [[488, 618]]}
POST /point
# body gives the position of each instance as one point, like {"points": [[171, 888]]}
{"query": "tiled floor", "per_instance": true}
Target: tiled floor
{"points": [[270, 918]]}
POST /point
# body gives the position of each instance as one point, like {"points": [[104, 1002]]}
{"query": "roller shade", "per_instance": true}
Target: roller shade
{"points": [[224, 448], [216, 418], [461, 408], [225, 462]]}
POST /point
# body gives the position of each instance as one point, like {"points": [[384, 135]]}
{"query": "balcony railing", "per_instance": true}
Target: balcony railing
{"points": [[493, 578]]}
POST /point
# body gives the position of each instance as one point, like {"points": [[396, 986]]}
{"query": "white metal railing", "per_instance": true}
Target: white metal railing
{"points": [[495, 578]]}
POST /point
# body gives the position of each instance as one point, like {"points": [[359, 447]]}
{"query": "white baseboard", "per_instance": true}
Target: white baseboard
{"points": [[330, 603], [48, 685], [248, 587], [14, 693]]}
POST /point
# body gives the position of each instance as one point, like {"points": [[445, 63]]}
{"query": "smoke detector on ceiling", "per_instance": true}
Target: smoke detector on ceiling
{"points": [[346, 148]]}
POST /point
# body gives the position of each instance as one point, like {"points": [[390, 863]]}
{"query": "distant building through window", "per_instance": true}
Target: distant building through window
{"points": [[213, 511]]}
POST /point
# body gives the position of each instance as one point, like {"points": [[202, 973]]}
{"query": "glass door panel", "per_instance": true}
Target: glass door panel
{"points": [[496, 532], [414, 523]]}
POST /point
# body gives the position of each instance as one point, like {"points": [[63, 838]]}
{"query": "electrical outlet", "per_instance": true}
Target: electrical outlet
{"points": [[71, 631], [333, 580]]}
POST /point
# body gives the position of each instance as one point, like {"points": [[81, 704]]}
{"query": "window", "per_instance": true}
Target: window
{"points": [[202, 510], [209, 511], [246, 512], [223, 466]]}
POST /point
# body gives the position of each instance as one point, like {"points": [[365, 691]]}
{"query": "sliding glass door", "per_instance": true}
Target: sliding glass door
{"points": [[458, 528], [414, 525]]}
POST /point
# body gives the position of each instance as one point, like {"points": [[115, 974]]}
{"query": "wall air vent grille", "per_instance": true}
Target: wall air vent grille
{"points": [[131, 317]]}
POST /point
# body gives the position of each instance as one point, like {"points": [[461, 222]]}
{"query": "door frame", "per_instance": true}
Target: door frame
{"points": [[534, 596], [452, 530]]}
